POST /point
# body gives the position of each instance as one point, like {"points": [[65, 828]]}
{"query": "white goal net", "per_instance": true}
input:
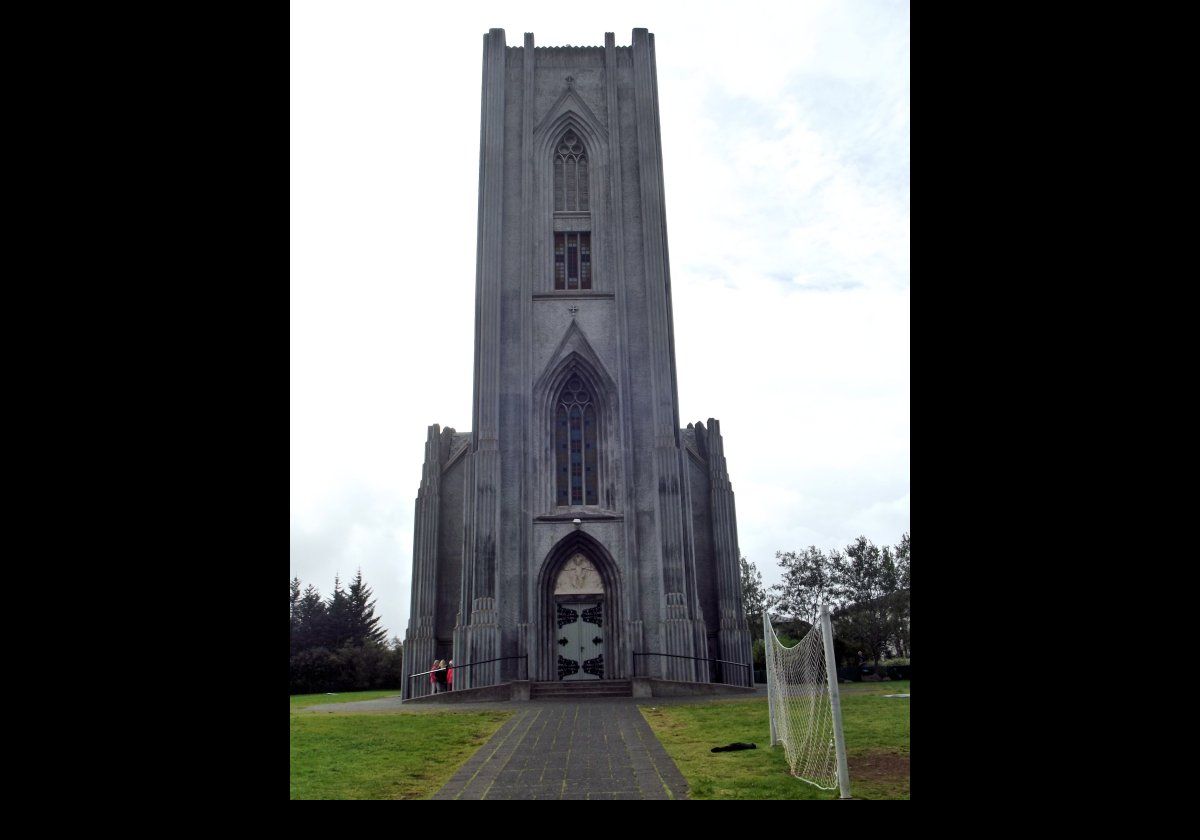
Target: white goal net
{"points": [[805, 711]]}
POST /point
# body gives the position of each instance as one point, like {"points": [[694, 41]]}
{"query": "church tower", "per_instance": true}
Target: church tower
{"points": [[577, 524]]}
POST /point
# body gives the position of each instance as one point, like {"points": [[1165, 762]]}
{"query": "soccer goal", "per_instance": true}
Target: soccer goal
{"points": [[805, 708]]}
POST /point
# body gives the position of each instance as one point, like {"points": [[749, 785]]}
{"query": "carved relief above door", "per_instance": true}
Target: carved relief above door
{"points": [[578, 577]]}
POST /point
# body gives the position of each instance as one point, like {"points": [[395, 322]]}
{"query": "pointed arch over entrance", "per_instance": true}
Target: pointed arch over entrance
{"points": [[588, 594]]}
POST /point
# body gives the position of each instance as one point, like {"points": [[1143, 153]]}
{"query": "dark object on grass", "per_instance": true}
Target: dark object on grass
{"points": [[739, 745]]}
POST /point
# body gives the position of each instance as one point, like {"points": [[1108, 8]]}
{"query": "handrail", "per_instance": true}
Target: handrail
{"points": [[749, 668], [470, 664]]}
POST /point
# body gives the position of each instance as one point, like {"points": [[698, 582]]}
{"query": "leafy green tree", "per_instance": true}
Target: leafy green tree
{"points": [[861, 580], [889, 574], [902, 600], [807, 583], [362, 623], [755, 600]]}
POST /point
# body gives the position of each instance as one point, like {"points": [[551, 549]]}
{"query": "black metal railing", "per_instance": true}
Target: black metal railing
{"points": [[749, 669], [524, 657]]}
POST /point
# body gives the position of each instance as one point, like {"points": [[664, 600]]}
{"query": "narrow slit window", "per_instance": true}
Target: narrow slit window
{"points": [[573, 261], [585, 261], [560, 452], [559, 200], [560, 261]]}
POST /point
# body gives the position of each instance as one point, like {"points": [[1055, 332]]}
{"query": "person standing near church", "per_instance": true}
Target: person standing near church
{"points": [[450, 677], [440, 673], [433, 676]]}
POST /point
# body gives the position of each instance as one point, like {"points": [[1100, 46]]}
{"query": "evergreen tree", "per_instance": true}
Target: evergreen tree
{"points": [[363, 624], [310, 620], [294, 612], [337, 644], [337, 623]]}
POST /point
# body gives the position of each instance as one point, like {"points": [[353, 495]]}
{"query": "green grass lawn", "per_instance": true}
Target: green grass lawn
{"points": [[303, 701], [875, 729], [397, 755]]}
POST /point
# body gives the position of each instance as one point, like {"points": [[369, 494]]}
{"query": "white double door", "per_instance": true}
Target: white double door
{"points": [[579, 640]]}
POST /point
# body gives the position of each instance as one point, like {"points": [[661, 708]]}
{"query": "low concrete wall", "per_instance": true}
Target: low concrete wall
{"points": [[654, 687], [517, 690]]}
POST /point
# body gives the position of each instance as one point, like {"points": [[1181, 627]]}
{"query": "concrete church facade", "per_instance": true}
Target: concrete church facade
{"points": [[577, 523]]}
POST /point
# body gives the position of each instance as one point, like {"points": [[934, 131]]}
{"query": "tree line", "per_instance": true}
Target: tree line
{"points": [[865, 586], [337, 643]]}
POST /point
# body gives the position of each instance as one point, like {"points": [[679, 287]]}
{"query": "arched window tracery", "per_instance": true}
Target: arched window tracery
{"points": [[570, 174], [572, 207], [576, 445]]}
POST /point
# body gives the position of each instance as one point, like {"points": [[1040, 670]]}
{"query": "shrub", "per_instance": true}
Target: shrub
{"points": [[314, 670], [349, 668]]}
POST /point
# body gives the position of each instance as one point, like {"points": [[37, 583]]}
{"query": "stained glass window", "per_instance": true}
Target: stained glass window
{"points": [[576, 445], [572, 261], [560, 261], [573, 250]]}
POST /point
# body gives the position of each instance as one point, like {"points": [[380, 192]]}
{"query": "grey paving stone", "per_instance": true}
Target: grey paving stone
{"points": [[570, 751]]}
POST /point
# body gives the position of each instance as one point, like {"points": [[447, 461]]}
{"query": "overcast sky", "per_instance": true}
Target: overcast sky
{"points": [[785, 133]]}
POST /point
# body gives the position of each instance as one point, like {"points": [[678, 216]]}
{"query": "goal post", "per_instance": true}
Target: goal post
{"points": [[768, 636], [835, 702], [805, 707]]}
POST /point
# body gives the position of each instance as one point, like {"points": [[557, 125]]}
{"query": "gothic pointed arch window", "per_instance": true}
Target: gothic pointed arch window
{"points": [[570, 174], [572, 210], [576, 445]]}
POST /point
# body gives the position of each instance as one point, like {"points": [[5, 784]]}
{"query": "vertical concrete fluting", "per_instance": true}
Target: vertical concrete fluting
{"points": [[483, 633], [526, 563], [678, 633], [734, 632], [420, 644]]}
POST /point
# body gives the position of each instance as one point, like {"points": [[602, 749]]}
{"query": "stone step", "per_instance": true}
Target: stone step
{"points": [[579, 684], [568, 696], [579, 689]]}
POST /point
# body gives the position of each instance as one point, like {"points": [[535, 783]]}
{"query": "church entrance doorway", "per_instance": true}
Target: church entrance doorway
{"points": [[579, 620], [581, 640]]}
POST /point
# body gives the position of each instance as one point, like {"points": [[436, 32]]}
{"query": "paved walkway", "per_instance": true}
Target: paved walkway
{"points": [[595, 749], [578, 750]]}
